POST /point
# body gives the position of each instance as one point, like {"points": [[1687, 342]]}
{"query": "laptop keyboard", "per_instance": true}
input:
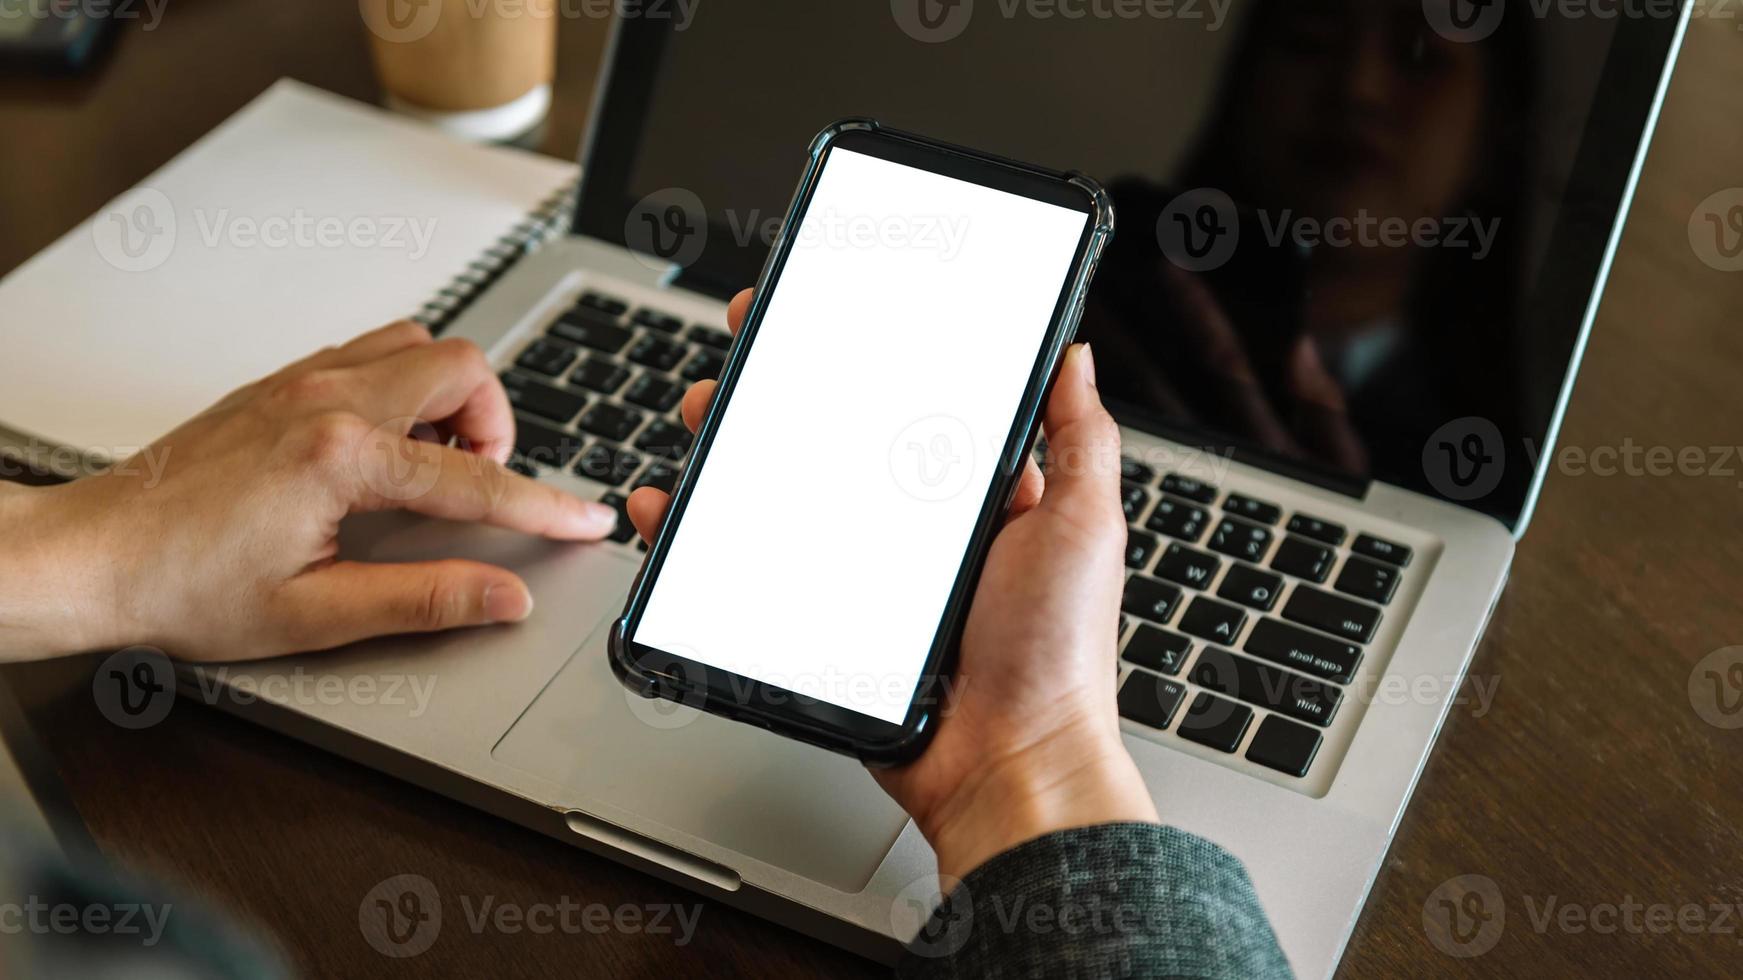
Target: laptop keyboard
{"points": [[1232, 621], [597, 396]]}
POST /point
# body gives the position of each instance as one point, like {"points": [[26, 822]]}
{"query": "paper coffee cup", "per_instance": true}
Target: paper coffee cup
{"points": [[480, 69]]}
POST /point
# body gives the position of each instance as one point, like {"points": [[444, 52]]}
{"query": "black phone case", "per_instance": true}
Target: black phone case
{"points": [[921, 723]]}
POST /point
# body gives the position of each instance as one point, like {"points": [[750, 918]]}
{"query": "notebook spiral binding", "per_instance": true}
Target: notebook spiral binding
{"points": [[541, 225]]}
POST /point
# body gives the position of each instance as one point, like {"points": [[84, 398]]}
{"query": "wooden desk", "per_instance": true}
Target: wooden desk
{"points": [[1591, 779]]}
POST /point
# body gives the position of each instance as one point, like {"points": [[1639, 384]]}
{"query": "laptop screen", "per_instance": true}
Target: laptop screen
{"points": [[1357, 239]]}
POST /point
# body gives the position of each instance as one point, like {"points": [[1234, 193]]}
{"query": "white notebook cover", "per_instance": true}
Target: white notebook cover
{"points": [[301, 221]]}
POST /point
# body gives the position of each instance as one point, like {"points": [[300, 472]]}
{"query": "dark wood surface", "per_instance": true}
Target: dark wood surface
{"points": [[1591, 780]]}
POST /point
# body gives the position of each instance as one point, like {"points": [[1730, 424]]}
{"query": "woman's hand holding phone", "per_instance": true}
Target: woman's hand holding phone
{"points": [[1029, 740]]}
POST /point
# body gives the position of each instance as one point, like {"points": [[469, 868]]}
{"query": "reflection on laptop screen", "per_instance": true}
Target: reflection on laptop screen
{"points": [[1352, 233]]}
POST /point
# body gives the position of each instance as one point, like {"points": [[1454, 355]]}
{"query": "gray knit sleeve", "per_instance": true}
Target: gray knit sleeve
{"points": [[1115, 900]]}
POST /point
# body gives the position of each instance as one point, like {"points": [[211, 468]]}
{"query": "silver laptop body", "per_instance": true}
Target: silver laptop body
{"points": [[528, 722]]}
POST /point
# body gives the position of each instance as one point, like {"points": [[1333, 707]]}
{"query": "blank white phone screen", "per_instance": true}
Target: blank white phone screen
{"points": [[836, 504]]}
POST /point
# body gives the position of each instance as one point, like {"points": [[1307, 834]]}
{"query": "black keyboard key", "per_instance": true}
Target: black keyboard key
{"points": [[1215, 621], [591, 332], [1131, 469], [614, 422], [1304, 650], [546, 357], [1178, 519], [666, 439], [1140, 548], [624, 530], [608, 305], [1190, 568], [1251, 587], [1150, 599], [705, 366], [1336, 615], [600, 374], [657, 352], [1368, 580], [1239, 539], [1302, 559], [711, 337], [1186, 486], [1255, 683], [655, 320], [1283, 745], [536, 442], [1215, 722], [1318, 530], [655, 393], [1381, 550], [607, 464], [1133, 500], [1242, 505], [661, 475], [522, 467], [1157, 649], [1150, 700], [542, 399]]}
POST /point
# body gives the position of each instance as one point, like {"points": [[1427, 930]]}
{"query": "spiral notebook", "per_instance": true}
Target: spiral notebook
{"points": [[302, 220]]}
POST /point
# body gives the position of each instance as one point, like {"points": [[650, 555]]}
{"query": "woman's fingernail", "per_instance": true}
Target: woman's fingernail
{"points": [[602, 517], [1086, 363], [507, 603]]}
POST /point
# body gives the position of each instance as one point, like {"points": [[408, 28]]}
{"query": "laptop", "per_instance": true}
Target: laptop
{"points": [[1360, 246]]}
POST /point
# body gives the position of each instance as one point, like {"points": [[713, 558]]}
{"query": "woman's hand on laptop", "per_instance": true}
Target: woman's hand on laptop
{"points": [[1030, 741], [219, 541]]}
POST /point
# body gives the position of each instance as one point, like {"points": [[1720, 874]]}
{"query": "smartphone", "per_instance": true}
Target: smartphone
{"points": [[812, 574]]}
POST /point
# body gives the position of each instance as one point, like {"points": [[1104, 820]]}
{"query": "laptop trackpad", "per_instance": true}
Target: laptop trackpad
{"points": [[814, 813]]}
